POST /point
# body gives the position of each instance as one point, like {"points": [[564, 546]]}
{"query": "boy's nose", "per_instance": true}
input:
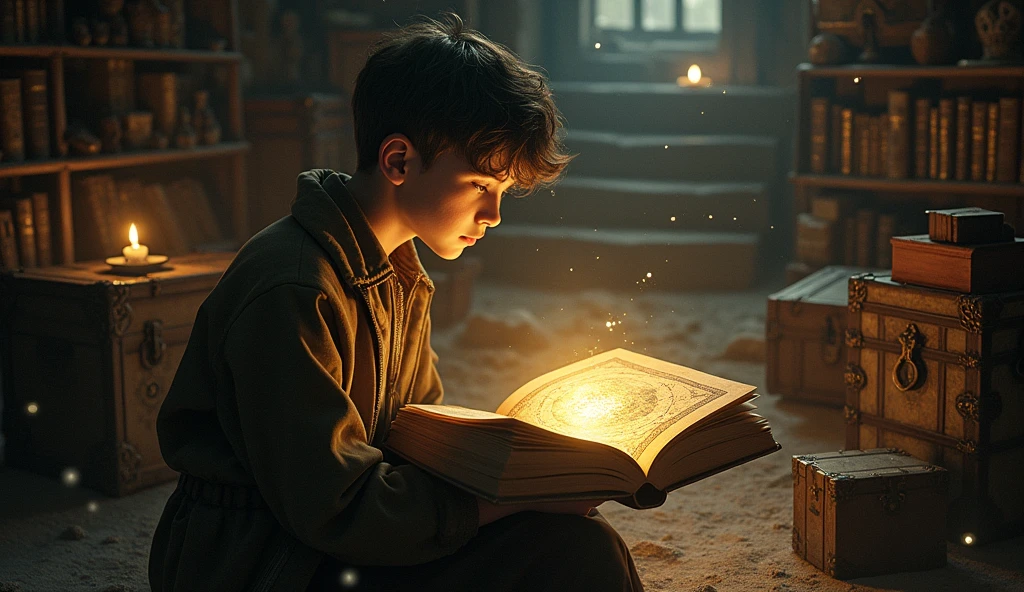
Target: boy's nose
{"points": [[489, 216]]}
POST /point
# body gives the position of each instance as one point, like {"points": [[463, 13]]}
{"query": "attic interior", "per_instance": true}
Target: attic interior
{"points": [[821, 199]]}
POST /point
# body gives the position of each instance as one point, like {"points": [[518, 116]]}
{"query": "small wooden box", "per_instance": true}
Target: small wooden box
{"points": [[860, 513], [804, 337], [941, 375], [88, 358], [965, 226], [978, 269]]}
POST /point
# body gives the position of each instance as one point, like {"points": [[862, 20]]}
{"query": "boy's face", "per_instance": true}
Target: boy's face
{"points": [[450, 206]]}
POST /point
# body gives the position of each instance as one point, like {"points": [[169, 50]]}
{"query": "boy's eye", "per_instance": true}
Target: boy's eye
{"points": [[480, 188]]}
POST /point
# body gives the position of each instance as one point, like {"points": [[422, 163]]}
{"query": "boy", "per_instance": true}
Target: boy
{"points": [[319, 331]]}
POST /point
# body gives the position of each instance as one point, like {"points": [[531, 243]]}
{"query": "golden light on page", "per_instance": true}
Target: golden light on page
{"points": [[593, 407]]}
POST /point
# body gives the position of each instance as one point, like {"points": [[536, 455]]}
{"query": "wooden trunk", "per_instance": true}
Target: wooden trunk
{"points": [[941, 375], [88, 359], [805, 326], [289, 135], [860, 513]]}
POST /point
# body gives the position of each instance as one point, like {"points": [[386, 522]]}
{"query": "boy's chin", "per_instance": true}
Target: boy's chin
{"points": [[448, 253]]}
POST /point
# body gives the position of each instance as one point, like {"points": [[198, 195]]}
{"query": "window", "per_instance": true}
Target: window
{"points": [[646, 25]]}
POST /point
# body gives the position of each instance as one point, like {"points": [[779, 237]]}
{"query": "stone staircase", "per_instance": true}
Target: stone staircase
{"points": [[679, 183]]}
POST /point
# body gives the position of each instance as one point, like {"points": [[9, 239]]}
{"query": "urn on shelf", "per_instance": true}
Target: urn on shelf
{"points": [[204, 120], [933, 42], [80, 32], [100, 32], [827, 49], [185, 137], [998, 26]]}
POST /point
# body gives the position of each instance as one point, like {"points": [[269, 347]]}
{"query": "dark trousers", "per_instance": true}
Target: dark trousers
{"points": [[525, 551]]}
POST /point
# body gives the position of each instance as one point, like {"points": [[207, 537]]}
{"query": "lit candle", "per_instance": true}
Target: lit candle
{"points": [[694, 77], [135, 253]]}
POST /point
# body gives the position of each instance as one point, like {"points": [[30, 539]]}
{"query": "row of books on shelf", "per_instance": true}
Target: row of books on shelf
{"points": [[960, 138], [842, 230], [31, 21], [25, 231], [24, 117], [171, 218]]}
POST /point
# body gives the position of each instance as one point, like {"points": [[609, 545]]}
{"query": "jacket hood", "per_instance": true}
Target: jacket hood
{"points": [[329, 213]]}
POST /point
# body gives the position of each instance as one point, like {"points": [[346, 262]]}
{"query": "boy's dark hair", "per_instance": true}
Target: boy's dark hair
{"points": [[447, 87]]}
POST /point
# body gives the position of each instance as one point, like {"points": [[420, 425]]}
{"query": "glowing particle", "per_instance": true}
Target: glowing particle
{"points": [[32, 408], [349, 578], [856, 80], [69, 477], [734, 217], [723, 92], [968, 538], [570, 269], [597, 45], [673, 219], [772, 227], [93, 506], [648, 274], [666, 146], [598, 257], [608, 324], [710, 217]]}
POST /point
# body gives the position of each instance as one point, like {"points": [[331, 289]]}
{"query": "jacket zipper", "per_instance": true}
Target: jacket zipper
{"points": [[377, 390]]}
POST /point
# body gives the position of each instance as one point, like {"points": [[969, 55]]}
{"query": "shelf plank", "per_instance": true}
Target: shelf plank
{"points": [[124, 159], [911, 71], [909, 185], [130, 159], [124, 53]]}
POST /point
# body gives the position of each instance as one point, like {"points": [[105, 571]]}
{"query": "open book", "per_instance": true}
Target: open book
{"points": [[619, 425]]}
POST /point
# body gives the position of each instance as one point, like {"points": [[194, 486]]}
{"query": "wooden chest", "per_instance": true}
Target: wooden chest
{"points": [[941, 375], [860, 513], [288, 135], [805, 326], [88, 358]]}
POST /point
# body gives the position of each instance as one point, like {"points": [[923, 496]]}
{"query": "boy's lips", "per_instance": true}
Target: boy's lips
{"points": [[469, 240]]}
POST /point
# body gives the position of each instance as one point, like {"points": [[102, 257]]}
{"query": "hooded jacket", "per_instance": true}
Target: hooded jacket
{"points": [[297, 362]]}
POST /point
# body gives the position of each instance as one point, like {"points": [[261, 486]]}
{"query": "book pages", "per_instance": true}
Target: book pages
{"points": [[629, 401]]}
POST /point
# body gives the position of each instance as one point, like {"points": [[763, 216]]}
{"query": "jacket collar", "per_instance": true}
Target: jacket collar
{"points": [[329, 213]]}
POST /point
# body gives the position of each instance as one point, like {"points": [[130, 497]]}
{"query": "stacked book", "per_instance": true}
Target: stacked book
{"points": [[25, 237], [24, 117], [960, 138], [969, 250]]}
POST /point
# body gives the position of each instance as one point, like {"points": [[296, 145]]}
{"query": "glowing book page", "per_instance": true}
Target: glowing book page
{"points": [[626, 400]]}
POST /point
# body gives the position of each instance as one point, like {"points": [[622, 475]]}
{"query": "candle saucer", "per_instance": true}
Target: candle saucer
{"points": [[152, 263]]}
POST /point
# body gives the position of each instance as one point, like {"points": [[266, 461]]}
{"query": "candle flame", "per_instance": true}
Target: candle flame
{"points": [[693, 74], [133, 236]]}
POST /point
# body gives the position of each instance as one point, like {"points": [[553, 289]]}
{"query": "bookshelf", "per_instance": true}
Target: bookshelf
{"points": [[221, 165], [858, 170]]}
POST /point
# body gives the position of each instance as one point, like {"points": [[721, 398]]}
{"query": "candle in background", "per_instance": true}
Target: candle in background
{"points": [[135, 253], [694, 77]]}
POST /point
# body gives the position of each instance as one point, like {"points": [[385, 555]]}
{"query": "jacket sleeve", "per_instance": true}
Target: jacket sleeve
{"points": [[306, 444], [426, 386]]}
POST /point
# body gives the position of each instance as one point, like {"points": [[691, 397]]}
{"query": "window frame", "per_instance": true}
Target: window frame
{"points": [[638, 40]]}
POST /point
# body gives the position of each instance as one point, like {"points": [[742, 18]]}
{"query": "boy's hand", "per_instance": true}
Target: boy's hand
{"points": [[490, 512]]}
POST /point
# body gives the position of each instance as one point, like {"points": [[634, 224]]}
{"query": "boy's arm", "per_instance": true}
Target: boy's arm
{"points": [[306, 446]]}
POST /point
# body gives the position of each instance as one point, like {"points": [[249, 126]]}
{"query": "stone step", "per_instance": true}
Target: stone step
{"points": [[652, 205], [665, 108], [582, 258], [672, 157]]}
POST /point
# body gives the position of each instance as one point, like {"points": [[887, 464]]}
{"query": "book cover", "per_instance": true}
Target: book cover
{"points": [[835, 133], [44, 238], [922, 108], [8, 242], [158, 92], [979, 144], [946, 121], [874, 146], [862, 143], [883, 144], [991, 140], [1008, 139], [36, 114], [24, 228], [898, 161], [815, 240], [962, 158], [619, 426], [12, 137], [933, 142], [819, 134], [846, 142]]}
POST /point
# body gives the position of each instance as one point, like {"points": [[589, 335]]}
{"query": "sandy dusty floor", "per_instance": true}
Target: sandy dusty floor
{"points": [[730, 532]]}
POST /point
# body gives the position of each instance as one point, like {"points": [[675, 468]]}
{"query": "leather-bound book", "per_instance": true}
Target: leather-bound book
{"points": [[980, 269], [815, 240], [933, 143], [886, 230], [835, 134], [874, 146], [867, 220], [44, 233], [24, 227], [991, 140], [36, 108], [969, 225], [111, 87], [19, 21], [846, 143], [1008, 140], [8, 242], [947, 119], [962, 152], [819, 134], [898, 152], [979, 129], [8, 24], [32, 21], [158, 92], [922, 107], [94, 238], [12, 138], [883, 144], [862, 143]]}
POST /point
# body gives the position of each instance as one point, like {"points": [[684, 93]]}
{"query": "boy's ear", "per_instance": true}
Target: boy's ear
{"points": [[395, 157]]}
